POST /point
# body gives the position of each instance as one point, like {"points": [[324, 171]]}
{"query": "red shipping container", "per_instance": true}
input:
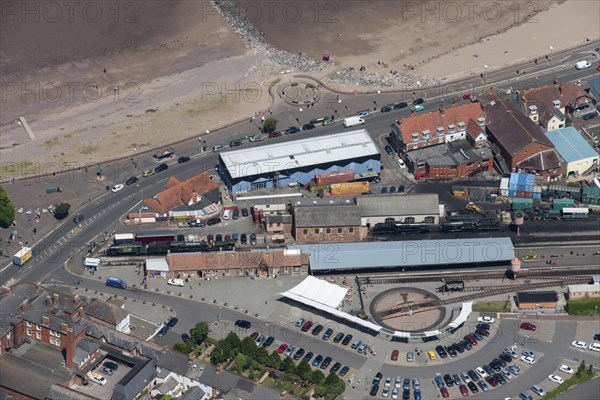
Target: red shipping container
{"points": [[528, 195], [334, 177]]}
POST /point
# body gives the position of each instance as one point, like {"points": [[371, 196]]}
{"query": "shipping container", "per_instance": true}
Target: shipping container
{"points": [[504, 183], [340, 189], [512, 193], [527, 195], [520, 194], [334, 177], [559, 204], [537, 196], [122, 238], [521, 204], [153, 237], [529, 188]]}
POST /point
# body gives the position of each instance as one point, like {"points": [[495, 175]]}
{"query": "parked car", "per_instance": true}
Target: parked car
{"points": [[283, 347], [344, 370], [386, 109], [482, 332], [176, 282], [307, 325], [117, 188], [97, 378], [448, 380], [213, 221], [400, 105], [528, 360], [78, 218], [555, 379], [418, 101], [515, 370], [299, 354], [317, 361], [308, 356], [183, 159], [362, 114], [528, 353], [243, 238], [317, 329], [218, 147], [578, 344], [486, 319], [147, 172], [274, 134], [441, 352], [268, 342], [300, 322], [336, 367], [483, 326], [473, 387], [439, 381], [292, 130], [327, 334], [326, 362], [244, 212], [590, 116], [463, 390], [566, 369], [161, 167], [388, 149], [528, 326], [258, 138], [242, 323], [338, 337], [235, 143], [347, 340], [308, 127], [378, 377], [163, 331], [431, 355], [253, 239], [131, 180], [395, 354], [444, 392], [410, 356], [374, 390], [260, 340]]}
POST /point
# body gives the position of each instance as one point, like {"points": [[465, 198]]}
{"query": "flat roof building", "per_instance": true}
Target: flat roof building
{"points": [[536, 300], [297, 162], [410, 208], [410, 255], [581, 158]]}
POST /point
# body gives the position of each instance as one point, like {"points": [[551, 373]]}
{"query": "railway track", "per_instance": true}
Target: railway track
{"points": [[498, 290]]}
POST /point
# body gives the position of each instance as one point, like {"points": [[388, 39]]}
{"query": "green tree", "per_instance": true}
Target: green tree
{"points": [[269, 125], [199, 333], [317, 377], [303, 369], [248, 347], [167, 397], [241, 363], [261, 355], [334, 385], [320, 391], [287, 365], [182, 347], [274, 361], [233, 341], [62, 210], [7, 209]]}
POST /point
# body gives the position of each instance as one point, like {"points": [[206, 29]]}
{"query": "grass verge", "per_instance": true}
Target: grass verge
{"points": [[587, 306], [492, 306], [572, 381]]}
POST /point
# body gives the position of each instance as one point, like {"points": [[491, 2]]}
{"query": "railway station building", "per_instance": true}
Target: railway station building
{"points": [[297, 162], [409, 255]]}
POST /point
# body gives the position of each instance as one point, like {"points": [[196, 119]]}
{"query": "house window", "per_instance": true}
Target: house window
{"points": [[339, 230], [390, 220], [305, 231], [328, 230], [430, 220], [29, 324], [317, 231], [38, 335], [28, 331], [351, 230], [409, 220]]}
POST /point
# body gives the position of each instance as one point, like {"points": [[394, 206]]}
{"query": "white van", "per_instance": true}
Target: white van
{"points": [[226, 214], [582, 65]]}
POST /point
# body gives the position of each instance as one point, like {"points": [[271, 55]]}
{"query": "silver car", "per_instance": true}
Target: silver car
{"points": [[410, 357], [289, 350]]}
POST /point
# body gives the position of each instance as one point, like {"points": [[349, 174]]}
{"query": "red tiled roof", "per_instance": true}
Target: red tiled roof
{"points": [[234, 260], [178, 193], [417, 123], [543, 96], [473, 129]]}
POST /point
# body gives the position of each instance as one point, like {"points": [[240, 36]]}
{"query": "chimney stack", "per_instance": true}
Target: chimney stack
{"points": [[441, 109], [76, 299], [49, 301], [64, 327], [55, 299], [5, 289], [38, 285], [24, 306], [45, 320]]}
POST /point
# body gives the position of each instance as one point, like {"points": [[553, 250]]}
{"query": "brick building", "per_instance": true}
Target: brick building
{"points": [[520, 142], [327, 221], [536, 300], [438, 127], [31, 312], [410, 208], [245, 264], [583, 291], [279, 224], [450, 161]]}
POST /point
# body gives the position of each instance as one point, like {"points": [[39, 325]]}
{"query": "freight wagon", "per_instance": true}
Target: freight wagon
{"points": [[344, 189], [155, 236]]}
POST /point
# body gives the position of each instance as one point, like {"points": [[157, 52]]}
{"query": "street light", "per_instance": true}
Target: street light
{"points": [[140, 212]]}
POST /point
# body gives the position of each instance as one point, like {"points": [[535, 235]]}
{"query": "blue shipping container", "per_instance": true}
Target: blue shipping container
{"points": [[537, 195], [529, 188], [512, 193], [522, 179], [530, 179]]}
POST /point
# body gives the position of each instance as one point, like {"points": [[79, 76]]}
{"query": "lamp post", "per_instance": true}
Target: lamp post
{"points": [[140, 212]]}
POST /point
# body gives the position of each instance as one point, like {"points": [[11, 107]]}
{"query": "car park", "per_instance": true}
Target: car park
{"points": [[283, 347], [317, 329], [298, 355], [566, 369], [528, 326], [307, 325], [318, 359], [528, 360], [555, 379], [578, 344], [268, 342], [344, 370], [388, 149], [289, 350], [183, 159], [395, 354], [326, 362], [327, 334], [338, 337], [347, 340], [308, 356]]}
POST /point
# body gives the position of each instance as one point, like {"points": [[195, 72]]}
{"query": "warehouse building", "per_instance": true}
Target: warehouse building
{"points": [[327, 221], [390, 208], [581, 158], [297, 163], [536, 300], [583, 291]]}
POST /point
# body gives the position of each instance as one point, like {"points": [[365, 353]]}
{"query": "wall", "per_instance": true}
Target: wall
{"points": [[328, 234], [531, 306], [584, 294]]}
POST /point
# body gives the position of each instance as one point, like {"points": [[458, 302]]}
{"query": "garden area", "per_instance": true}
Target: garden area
{"points": [[245, 358], [587, 306]]}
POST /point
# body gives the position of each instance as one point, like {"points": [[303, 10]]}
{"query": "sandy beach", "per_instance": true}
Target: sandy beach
{"points": [[171, 66]]}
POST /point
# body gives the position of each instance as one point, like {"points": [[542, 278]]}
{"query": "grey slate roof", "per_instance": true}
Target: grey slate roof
{"points": [[58, 392], [106, 312], [173, 361], [536, 297], [330, 215], [167, 386], [193, 393], [278, 219], [84, 348], [410, 253], [135, 381], [398, 204], [449, 154]]}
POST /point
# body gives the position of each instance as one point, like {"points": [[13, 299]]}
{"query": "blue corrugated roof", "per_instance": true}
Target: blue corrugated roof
{"points": [[595, 87], [408, 253], [570, 144]]}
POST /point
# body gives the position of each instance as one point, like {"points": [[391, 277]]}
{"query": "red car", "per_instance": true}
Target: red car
{"points": [[528, 327], [463, 390], [467, 96], [274, 134], [282, 348], [482, 332], [444, 392], [492, 381], [307, 325], [395, 355], [471, 340]]}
